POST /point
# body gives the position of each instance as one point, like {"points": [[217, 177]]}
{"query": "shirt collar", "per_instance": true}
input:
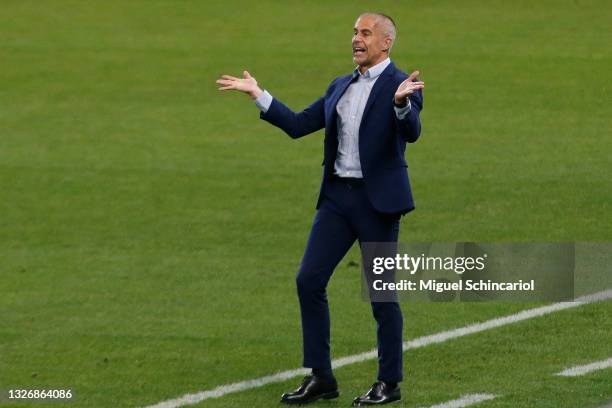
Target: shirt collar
{"points": [[374, 71]]}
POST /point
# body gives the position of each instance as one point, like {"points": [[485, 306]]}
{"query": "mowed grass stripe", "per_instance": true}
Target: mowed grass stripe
{"points": [[190, 399]]}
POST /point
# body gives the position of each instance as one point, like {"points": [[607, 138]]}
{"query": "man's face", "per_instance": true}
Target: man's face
{"points": [[369, 42]]}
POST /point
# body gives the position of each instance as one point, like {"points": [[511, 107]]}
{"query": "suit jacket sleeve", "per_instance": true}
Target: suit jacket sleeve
{"points": [[409, 128], [295, 124]]}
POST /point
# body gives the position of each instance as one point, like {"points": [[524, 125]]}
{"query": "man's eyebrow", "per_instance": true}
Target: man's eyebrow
{"points": [[363, 29]]}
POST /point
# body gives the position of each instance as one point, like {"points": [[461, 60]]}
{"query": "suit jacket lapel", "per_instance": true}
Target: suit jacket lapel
{"points": [[331, 112], [378, 85]]}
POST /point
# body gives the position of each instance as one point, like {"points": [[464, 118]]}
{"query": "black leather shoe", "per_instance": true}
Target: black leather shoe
{"points": [[312, 389], [380, 393]]}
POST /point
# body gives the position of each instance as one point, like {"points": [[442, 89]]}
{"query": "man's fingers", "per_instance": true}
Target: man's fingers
{"points": [[225, 88], [411, 85], [225, 82], [415, 87], [229, 77], [247, 75], [409, 90], [413, 75], [409, 82]]}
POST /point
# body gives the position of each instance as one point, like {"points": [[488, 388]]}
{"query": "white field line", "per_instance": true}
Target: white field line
{"points": [[190, 399], [585, 369], [465, 401]]}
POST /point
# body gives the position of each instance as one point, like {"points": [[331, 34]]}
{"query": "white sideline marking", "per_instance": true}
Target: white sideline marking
{"points": [[585, 369], [190, 399], [465, 401]]}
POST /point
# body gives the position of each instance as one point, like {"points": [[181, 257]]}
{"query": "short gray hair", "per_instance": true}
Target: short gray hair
{"points": [[387, 23]]}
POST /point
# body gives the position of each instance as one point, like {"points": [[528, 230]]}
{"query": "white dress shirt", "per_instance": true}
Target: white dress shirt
{"points": [[350, 109]]}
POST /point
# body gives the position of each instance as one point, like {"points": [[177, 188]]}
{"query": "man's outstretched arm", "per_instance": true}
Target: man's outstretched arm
{"points": [[275, 112], [408, 101]]}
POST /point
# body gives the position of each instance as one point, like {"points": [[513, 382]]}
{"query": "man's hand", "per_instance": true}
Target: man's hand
{"points": [[407, 88], [248, 84]]}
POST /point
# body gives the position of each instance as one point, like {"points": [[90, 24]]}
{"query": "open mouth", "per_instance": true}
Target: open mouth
{"points": [[358, 51]]}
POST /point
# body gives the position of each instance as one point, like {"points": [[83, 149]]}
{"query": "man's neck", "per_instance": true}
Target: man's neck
{"points": [[364, 68]]}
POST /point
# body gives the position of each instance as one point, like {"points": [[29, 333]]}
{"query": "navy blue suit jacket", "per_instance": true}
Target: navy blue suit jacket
{"points": [[382, 137]]}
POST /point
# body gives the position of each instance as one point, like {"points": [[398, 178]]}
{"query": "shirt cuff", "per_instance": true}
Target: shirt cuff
{"points": [[401, 113], [264, 101]]}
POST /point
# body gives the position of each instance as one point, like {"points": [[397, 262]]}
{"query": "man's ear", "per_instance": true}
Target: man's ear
{"points": [[388, 42]]}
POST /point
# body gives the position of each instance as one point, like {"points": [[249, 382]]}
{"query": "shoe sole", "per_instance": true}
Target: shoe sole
{"points": [[326, 396], [369, 405]]}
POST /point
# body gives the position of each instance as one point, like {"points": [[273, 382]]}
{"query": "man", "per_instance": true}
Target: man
{"points": [[368, 117]]}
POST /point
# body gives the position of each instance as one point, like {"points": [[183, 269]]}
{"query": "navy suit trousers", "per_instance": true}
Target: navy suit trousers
{"points": [[345, 215]]}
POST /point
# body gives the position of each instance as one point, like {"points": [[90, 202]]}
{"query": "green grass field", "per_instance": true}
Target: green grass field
{"points": [[151, 226]]}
